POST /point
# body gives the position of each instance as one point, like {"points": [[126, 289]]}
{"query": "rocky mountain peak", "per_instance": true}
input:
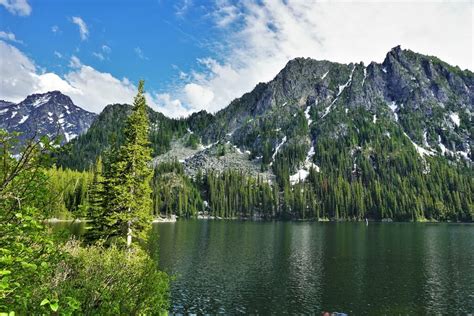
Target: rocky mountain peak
{"points": [[51, 113]]}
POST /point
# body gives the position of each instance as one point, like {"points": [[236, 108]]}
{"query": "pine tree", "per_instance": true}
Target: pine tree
{"points": [[95, 212], [127, 195]]}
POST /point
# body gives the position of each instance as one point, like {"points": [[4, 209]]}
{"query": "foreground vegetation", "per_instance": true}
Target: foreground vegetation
{"points": [[110, 273]]}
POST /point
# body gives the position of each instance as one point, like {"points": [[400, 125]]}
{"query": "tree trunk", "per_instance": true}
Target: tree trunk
{"points": [[129, 234]]}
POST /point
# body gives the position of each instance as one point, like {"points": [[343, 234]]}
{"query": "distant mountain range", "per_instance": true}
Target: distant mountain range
{"points": [[411, 99], [53, 114], [389, 140]]}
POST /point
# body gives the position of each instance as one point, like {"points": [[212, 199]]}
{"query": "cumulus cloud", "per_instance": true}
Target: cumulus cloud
{"points": [[8, 36], [17, 7], [21, 77], [260, 37], [169, 106], [83, 30], [87, 87], [197, 95]]}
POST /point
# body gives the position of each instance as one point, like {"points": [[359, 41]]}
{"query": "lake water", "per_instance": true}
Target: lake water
{"points": [[289, 267], [230, 266]]}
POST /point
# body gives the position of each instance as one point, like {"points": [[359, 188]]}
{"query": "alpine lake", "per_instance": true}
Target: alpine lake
{"points": [[263, 267]]}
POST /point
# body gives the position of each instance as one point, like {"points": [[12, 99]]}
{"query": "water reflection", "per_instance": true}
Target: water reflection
{"points": [[231, 267], [285, 267], [445, 269]]}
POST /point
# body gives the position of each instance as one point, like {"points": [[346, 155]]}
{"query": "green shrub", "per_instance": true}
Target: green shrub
{"points": [[109, 281]]}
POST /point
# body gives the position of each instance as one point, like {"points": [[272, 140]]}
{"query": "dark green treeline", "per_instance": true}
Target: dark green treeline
{"points": [[442, 194]]}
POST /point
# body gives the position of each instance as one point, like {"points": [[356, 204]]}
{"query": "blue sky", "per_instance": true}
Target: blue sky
{"points": [[117, 32], [202, 54]]}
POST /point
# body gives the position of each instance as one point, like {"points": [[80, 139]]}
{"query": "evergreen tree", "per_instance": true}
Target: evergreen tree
{"points": [[127, 192], [96, 203]]}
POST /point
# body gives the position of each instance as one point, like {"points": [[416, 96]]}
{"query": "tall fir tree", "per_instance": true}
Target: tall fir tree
{"points": [[95, 212], [127, 191]]}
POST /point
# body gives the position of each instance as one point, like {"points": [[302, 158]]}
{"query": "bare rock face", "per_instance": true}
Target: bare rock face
{"points": [[408, 102], [425, 98]]}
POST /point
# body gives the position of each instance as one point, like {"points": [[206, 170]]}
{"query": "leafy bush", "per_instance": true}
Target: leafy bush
{"points": [[109, 281]]}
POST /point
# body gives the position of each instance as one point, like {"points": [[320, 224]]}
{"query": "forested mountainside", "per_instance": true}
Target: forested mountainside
{"points": [[52, 114], [322, 139]]}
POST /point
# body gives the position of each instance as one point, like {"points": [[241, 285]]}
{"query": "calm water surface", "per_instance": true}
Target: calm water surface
{"points": [[287, 267]]}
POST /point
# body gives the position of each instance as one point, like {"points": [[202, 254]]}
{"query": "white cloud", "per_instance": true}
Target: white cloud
{"points": [[58, 54], [138, 51], [106, 49], [183, 7], [87, 87], [17, 7], [197, 95], [99, 56], [21, 77], [9, 37], [169, 106], [260, 37], [225, 13], [83, 30], [75, 62], [103, 54], [54, 28]]}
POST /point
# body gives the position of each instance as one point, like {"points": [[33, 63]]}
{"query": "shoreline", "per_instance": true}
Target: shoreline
{"points": [[67, 220], [174, 219]]}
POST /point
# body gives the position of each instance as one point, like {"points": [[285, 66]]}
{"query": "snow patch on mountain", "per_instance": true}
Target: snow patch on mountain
{"points": [[308, 117], [365, 76], [341, 89], [283, 141], [40, 101], [23, 119], [301, 175], [455, 118], [421, 151], [394, 107]]}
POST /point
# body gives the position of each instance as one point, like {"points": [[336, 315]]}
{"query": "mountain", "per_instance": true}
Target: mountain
{"points": [[323, 139], [429, 100], [107, 129], [52, 113]]}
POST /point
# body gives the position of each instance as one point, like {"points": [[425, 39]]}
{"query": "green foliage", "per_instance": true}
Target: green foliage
{"points": [[108, 281], [235, 194], [127, 193], [174, 192], [107, 133], [192, 141], [69, 192], [27, 251], [367, 170], [38, 275], [96, 204]]}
